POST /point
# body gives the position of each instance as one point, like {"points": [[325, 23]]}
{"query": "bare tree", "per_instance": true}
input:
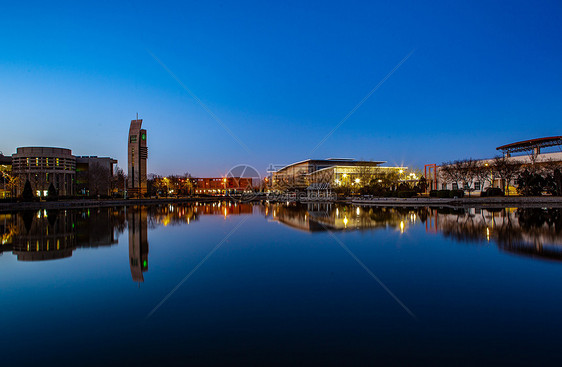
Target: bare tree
{"points": [[506, 169], [450, 173], [482, 172], [11, 182], [99, 179]]}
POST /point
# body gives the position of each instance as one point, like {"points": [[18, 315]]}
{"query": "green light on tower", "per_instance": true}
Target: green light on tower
{"points": [[144, 264], [143, 136]]}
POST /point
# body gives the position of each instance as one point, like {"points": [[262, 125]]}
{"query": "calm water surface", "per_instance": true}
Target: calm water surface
{"points": [[286, 285]]}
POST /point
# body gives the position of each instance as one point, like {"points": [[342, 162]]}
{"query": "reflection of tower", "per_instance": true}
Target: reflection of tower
{"points": [[138, 154], [138, 242]]}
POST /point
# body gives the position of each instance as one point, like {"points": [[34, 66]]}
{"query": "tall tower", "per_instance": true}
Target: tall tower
{"points": [[138, 154]]}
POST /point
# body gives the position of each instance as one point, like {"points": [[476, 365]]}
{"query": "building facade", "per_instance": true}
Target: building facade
{"points": [[531, 157], [137, 159], [333, 171], [42, 166], [222, 185], [94, 175]]}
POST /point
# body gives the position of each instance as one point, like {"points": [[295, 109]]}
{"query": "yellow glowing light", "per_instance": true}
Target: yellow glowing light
{"points": [[401, 171], [358, 211], [401, 226], [488, 234], [344, 175], [357, 180], [345, 222]]}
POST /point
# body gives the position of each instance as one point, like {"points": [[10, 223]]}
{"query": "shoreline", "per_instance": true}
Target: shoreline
{"points": [[99, 203], [477, 202]]}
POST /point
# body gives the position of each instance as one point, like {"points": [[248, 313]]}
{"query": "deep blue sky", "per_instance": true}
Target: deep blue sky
{"points": [[280, 76]]}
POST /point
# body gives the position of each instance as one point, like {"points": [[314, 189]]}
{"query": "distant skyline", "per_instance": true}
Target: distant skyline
{"points": [[280, 77]]}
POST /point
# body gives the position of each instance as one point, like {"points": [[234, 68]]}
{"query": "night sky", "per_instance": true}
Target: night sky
{"points": [[280, 76]]}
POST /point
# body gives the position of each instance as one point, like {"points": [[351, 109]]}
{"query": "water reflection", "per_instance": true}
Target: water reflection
{"points": [[55, 234], [138, 241]]}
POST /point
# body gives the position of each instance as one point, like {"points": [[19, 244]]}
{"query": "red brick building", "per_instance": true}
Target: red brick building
{"points": [[221, 185]]}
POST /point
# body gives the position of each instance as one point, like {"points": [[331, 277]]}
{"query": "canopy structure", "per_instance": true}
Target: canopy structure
{"points": [[533, 144]]}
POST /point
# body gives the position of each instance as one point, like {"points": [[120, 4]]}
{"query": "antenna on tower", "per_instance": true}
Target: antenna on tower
{"points": [[137, 115]]}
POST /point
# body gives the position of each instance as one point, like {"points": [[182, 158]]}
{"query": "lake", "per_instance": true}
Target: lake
{"points": [[262, 284]]}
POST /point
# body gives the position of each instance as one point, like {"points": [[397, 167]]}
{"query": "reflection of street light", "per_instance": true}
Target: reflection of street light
{"points": [[357, 180]]}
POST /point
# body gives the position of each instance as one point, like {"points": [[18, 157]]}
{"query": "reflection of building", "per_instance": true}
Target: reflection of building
{"points": [[37, 235], [534, 232], [323, 216], [333, 171], [137, 157], [138, 242], [43, 166]]}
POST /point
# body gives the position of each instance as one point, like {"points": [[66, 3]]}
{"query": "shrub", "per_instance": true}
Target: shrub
{"points": [[433, 193], [492, 191], [456, 193], [27, 194], [443, 194], [53, 193], [406, 194]]}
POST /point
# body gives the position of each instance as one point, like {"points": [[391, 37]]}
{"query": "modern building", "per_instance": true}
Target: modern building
{"points": [[43, 166], [333, 171], [137, 157], [94, 175]]}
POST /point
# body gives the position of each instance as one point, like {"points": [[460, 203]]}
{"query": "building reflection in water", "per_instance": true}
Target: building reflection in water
{"points": [[535, 232], [138, 241], [316, 217], [55, 234]]}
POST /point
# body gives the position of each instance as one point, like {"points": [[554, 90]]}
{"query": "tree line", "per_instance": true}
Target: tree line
{"points": [[529, 179]]}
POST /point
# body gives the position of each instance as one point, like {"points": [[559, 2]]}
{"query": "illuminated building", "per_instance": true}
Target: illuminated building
{"points": [[43, 166], [70, 175], [332, 171], [137, 157], [222, 185]]}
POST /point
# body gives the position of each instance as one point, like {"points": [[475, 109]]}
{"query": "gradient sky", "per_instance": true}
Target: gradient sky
{"points": [[280, 76]]}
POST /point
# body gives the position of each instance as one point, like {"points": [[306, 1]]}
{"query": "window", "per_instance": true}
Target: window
{"points": [[455, 186], [477, 186], [133, 139], [444, 186]]}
